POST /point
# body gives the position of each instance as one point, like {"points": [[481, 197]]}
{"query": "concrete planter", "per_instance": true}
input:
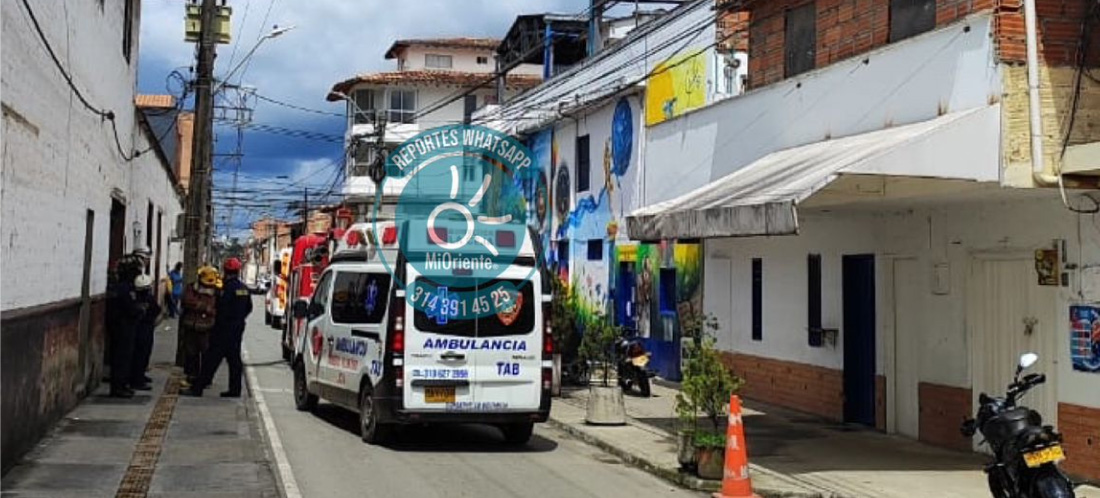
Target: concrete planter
{"points": [[685, 450], [605, 406], [710, 462]]}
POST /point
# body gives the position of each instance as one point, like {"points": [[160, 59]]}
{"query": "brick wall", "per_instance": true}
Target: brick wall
{"points": [[942, 411], [846, 28], [1080, 426], [732, 29], [802, 387]]}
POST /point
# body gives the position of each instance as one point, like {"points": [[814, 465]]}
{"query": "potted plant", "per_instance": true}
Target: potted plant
{"points": [[605, 400], [687, 416], [563, 327], [708, 384]]}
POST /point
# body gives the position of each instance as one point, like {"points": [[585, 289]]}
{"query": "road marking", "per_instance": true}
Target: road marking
{"points": [[282, 464]]}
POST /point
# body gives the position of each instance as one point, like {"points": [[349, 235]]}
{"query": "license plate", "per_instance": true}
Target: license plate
{"points": [[439, 394], [1045, 455]]}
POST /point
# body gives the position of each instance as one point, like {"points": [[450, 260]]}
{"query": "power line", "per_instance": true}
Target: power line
{"points": [[298, 107], [107, 114]]}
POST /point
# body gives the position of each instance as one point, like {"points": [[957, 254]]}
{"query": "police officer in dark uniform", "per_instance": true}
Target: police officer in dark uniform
{"points": [[234, 305]]}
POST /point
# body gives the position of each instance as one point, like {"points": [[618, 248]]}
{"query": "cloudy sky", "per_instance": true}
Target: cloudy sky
{"points": [[332, 40]]}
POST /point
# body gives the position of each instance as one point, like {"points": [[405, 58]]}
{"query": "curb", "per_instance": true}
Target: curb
{"points": [[670, 474]]}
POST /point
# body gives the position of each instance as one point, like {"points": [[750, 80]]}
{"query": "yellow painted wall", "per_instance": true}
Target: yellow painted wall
{"points": [[678, 85]]}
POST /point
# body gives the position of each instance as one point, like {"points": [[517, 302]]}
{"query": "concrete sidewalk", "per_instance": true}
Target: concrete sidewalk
{"points": [[791, 454], [156, 444]]}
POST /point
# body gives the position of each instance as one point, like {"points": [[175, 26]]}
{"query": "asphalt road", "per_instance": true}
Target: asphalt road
{"points": [[326, 457]]}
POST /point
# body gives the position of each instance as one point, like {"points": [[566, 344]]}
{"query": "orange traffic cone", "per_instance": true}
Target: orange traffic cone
{"points": [[735, 477]]}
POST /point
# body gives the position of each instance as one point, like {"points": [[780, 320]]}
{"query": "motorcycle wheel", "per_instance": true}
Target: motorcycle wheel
{"points": [[1052, 484], [998, 485], [643, 382]]}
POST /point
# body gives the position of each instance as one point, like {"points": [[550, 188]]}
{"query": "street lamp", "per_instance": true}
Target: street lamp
{"points": [[277, 31]]}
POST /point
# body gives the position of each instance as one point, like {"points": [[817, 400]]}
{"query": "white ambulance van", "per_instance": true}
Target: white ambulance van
{"points": [[368, 349]]}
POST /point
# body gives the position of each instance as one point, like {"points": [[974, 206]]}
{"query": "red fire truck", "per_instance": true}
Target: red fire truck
{"points": [[308, 259]]}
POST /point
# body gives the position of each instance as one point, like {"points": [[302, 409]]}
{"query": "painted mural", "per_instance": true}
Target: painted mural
{"points": [[678, 85], [656, 287], [646, 288]]}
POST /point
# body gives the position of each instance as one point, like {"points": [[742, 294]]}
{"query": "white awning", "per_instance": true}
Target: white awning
{"points": [[761, 198]]}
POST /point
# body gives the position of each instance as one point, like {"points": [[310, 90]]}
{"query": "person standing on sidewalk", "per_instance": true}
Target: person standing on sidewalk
{"points": [[127, 311], [143, 333], [175, 277], [200, 302], [234, 305]]}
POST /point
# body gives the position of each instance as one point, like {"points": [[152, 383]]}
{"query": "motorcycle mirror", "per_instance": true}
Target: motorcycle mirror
{"points": [[1026, 361]]}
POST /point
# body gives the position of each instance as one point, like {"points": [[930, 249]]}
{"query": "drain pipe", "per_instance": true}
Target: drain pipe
{"points": [[1038, 172]]}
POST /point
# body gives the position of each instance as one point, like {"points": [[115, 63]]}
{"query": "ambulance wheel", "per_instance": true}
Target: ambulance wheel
{"points": [[303, 399], [371, 429], [518, 434], [267, 318]]}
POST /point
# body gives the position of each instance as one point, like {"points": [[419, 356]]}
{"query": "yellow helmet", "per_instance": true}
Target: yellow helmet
{"points": [[208, 276], [219, 283]]}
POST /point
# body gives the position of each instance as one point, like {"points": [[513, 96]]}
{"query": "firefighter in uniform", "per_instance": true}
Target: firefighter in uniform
{"points": [[200, 302], [234, 305]]}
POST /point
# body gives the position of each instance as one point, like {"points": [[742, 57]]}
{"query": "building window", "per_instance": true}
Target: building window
{"points": [[481, 59], [402, 106], [595, 250], [364, 106], [911, 18], [801, 39], [128, 28], [757, 299], [562, 256], [813, 298], [469, 105], [582, 164], [436, 61]]}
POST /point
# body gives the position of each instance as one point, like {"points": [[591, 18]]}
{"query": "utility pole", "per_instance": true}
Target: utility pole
{"points": [[198, 197], [305, 211]]}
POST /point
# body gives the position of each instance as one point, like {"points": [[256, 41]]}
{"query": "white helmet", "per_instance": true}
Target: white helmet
{"points": [[143, 282]]}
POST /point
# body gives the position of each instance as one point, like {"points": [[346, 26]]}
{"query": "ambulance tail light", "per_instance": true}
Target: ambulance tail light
{"points": [[397, 326], [399, 377], [547, 378], [547, 332]]}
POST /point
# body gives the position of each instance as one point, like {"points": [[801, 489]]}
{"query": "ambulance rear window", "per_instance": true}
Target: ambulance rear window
{"points": [[360, 297], [519, 322]]}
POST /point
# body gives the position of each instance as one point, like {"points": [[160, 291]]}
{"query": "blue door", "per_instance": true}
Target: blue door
{"points": [[858, 335], [624, 297]]}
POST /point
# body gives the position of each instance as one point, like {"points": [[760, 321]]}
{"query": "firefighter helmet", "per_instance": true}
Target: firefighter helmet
{"points": [[143, 282], [231, 265], [208, 276]]}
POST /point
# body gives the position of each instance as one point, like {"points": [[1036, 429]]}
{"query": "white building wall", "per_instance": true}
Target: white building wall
{"points": [[948, 70], [609, 203], [464, 60], [60, 160], [952, 233]]}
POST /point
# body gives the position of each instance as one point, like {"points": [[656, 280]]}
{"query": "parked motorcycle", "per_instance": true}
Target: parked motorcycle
{"points": [[632, 359], [1025, 452]]}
